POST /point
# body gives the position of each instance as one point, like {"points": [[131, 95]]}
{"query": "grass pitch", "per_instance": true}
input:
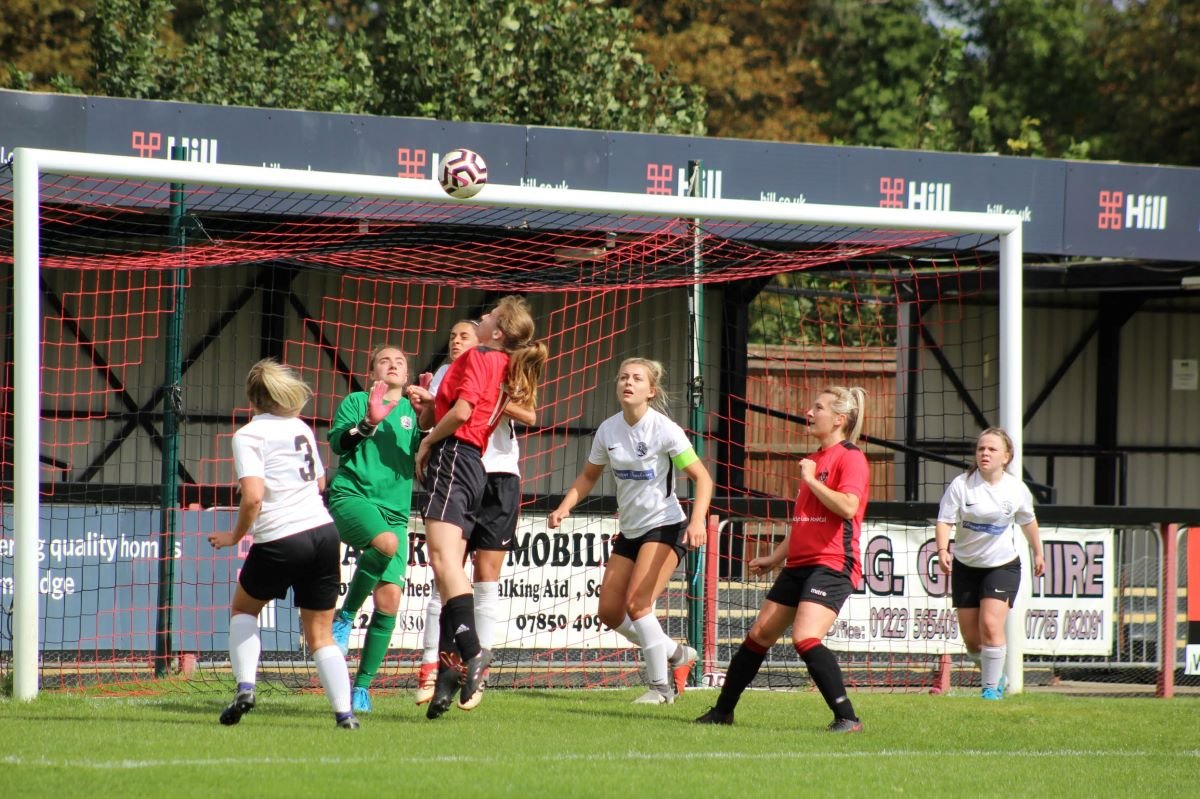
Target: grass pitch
{"points": [[595, 743]]}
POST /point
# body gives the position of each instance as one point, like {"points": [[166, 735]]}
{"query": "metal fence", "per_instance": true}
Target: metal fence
{"points": [[1134, 663]]}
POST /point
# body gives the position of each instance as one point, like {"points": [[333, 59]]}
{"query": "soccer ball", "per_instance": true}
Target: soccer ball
{"points": [[463, 173]]}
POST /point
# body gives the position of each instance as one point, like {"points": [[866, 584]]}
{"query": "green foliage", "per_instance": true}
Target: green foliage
{"points": [[558, 62], [889, 74], [1054, 78], [131, 54], [64, 84], [1150, 63], [1029, 140], [286, 56], [17, 78], [44, 42], [274, 54], [747, 56], [1032, 65], [813, 308]]}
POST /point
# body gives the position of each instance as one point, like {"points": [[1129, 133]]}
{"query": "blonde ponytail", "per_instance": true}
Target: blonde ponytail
{"points": [[275, 388], [851, 403]]}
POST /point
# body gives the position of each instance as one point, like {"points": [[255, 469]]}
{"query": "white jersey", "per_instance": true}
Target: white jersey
{"points": [[502, 454], [640, 457], [437, 378], [983, 515], [282, 450]]}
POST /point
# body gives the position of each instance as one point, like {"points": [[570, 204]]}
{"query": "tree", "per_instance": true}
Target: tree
{"points": [[274, 53], [811, 307], [748, 56], [556, 62], [130, 48], [1073, 78], [890, 74], [553, 62], [1031, 76], [1150, 66], [44, 44]]}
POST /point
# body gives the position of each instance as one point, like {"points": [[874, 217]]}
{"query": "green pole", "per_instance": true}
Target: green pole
{"points": [[172, 376], [695, 558]]}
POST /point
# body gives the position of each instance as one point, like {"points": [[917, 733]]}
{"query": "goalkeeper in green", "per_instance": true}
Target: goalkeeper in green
{"points": [[375, 436]]}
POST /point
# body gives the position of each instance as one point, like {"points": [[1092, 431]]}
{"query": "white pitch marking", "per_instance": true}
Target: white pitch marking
{"points": [[128, 764]]}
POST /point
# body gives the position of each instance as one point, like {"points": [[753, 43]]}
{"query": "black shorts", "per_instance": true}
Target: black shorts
{"points": [[970, 584], [673, 534], [819, 584], [454, 481], [309, 563], [496, 522]]}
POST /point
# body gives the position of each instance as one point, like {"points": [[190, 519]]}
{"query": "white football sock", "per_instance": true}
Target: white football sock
{"points": [[244, 647], [487, 605], [991, 665], [630, 632], [655, 650], [334, 676], [433, 622]]}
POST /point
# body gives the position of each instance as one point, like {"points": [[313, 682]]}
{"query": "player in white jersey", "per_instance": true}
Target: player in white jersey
{"points": [[295, 542], [644, 447], [495, 529], [982, 506]]}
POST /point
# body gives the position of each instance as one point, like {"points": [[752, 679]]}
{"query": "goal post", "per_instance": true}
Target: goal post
{"points": [[30, 166]]}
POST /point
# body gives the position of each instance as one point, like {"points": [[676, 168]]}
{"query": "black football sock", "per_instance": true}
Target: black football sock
{"points": [[825, 672], [458, 617], [743, 668]]}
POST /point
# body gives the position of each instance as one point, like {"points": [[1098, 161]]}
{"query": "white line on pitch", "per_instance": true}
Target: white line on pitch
{"points": [[127, 764]]}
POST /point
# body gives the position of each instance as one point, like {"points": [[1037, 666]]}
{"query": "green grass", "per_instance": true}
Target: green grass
{"points": [[594, 743]]}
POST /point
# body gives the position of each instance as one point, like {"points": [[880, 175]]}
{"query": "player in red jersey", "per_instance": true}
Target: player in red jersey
{"points": [[470, 402], [820, 560]]}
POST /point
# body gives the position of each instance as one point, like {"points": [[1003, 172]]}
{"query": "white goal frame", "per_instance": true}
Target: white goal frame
{"points": [[29, 164]]}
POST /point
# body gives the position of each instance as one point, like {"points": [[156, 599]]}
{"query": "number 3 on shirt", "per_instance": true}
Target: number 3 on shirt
{"points": [[309, 473]]}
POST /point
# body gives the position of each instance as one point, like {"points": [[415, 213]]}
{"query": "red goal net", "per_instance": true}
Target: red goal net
{"points": [[157, 299]]}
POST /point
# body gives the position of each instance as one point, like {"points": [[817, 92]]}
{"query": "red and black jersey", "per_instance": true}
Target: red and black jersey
{"points": [[819, 536], [476, 376]]}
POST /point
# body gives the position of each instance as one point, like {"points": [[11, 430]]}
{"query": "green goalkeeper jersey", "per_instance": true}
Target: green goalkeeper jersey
{"points": [[379, 468]]}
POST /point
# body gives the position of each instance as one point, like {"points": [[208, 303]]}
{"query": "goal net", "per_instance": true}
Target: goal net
{"points": [[158, 290]]}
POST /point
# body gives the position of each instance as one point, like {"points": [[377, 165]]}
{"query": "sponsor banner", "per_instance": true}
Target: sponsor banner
{"points": [[400, 147], [98, 572], [1130, 211], [565, 158], [1070, 610], [731, 168], [98, 575], [904, 602], [1068, 207], [1191, 660], [549, 588]]}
